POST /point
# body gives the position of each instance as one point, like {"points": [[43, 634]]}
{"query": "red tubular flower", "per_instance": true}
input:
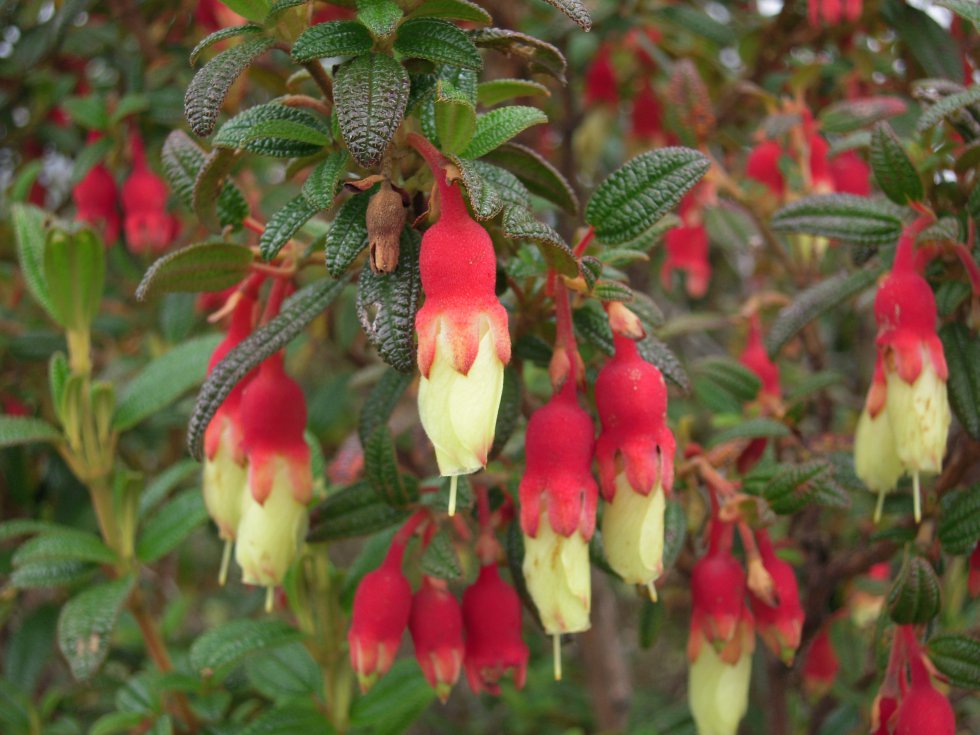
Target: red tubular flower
{"points": [[821, 664], [756, 358], [600, 79], [850, 174], [635, 453], [780, 627], [463, 341], [280, 479], [96, 197], [974, 581], [687, 251], [647, 115], [558, 509], [148, 225], [382, 609], [820, 177], [492, 619], [762, 165], [923, 710], [436, 625]]}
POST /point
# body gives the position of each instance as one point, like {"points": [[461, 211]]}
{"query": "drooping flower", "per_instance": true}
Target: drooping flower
{"points": [[756, 358], [492, 620], [821, 664], [646, 116], [780, 626], [149, 227], [718, 691], [382, 609], [687, 247], [225, 463], [558, 509], [462, 328], [876, 459], [850, 174], [280, 480], [436, 625], [96, 199], [923, 709], [601, 87], [635, 454], [762, 165]]}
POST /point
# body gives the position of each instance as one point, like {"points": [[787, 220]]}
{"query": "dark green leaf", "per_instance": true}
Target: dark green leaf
{"points": [[959, 524], [298, 311], [437, 41], [814, 301], [509, 411], [285, 223], [206, 266], [675, 532], [210, 186], [15, 430], [395, 702], [220, 35], [453, 10], [354, 511], [652, 619], [300, 717], [631, 200], [663, 358], [439, 558], [592, 324], [50, 574], [86, 623], [750, 429], [948, 106], [485, 201], [371, 93], [210, 85], [63, 545], [285, 672], [536, 173], [892, 168], [274, 130], [928, 42], [321, 185], [915, 598], [520, 224], [334, 38], [387, 302], [231, 643], [539, 56], [496, 127], [957, 657], [167, 528], [845, 217], [848, 115], [347, 235], [182, 161], [496, 91], [164, 380], [732, 376], [380, 16], [381, 470], [455, 117], [962, 350], [29, 225], [508, 187], [381, 402]]}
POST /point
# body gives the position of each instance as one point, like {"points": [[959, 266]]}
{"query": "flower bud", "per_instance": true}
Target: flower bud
{"points": [[821, 665], [146, 222], [462, 327], [647, 116], [280, 480], [436, 625], [923, 710], [850, 174], [687, 251], [382, 609], [623, 321], [600, 79], [762, 165], [780, 625], [717, 597], [718, 692], [756, 358], [96, 197], [385, 220], [492, 619]]}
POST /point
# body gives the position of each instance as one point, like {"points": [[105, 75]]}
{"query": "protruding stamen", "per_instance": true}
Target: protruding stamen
{"points": [[916, 497], [270, 598], [225, 563], [556, 647], [879, 506], [652, 591], [452, 494]]}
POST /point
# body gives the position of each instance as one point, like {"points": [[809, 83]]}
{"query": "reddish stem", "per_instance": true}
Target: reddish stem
{"points": [[450, 197], [483, 508], [972, 270], [396, 552], [905, 251], [565, 337], [250, 223], [585, 242]]}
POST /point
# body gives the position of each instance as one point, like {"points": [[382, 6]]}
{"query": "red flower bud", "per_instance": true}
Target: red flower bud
{"points": [[762, 165], [780, 627], [850, 174], [923, 710], [95, 198], [148, 225], [756, 358], [382, 607], [821, 665], [600, 79], [647, 115], [718, 604], [492, 618], [436, 625], [687, 251], [819, 167]]}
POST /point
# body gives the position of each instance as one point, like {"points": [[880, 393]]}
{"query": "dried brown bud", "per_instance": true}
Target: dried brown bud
{"points": [[385, 220], [623, 321]]}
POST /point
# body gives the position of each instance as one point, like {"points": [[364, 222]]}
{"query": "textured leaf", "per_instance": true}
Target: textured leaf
{"points": [[675, 532], [381, 470], [167, 528], [381, 402], [592, 324], [298, 717], [957, 657], [538, 55], [63, 545], [211, 183], [455, 117], [439, 558], [663, 358], [915, 598], [843, 217], [164, 380], [453, 10], [299, 310], [220, 35], [815, 301], [160, 486], [347, 235], [848, 115], [278, 7], [206, 266], [750, 429], [380, 16], [605, 290], [631, 200], [322, 184], [948, 106], [15, 430], [732, 376], [211, 83], [395, 702], [274, 130], [496, 127], [536, 173], [231, 643], [574, 9], [182, 161], [928, 42], [354, 511], [285, 223], [495, 91], [254, 10], [892, 168], [30, 232], [794, 486], [286, 672], [509, 411], [371, 93], [959, 524], [520, 224], [508, 187], [334, 38], [86, 623], [437, 41], [962, 350], [387, 302], [50, 574], [485, 200]]}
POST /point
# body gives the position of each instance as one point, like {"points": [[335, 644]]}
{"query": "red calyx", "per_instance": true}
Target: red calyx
{"points": [[436, 625], [273, 415], [780, 626], [492, 619], [647, 115], [756, 358], [763, 166], [687, 250], [600, 79], [821, 665], [148, 225], [382, 607], [95, 198], [923, 710], [819, 166], [631, 397], [558, 478], [717, 595], [850, 174]]}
